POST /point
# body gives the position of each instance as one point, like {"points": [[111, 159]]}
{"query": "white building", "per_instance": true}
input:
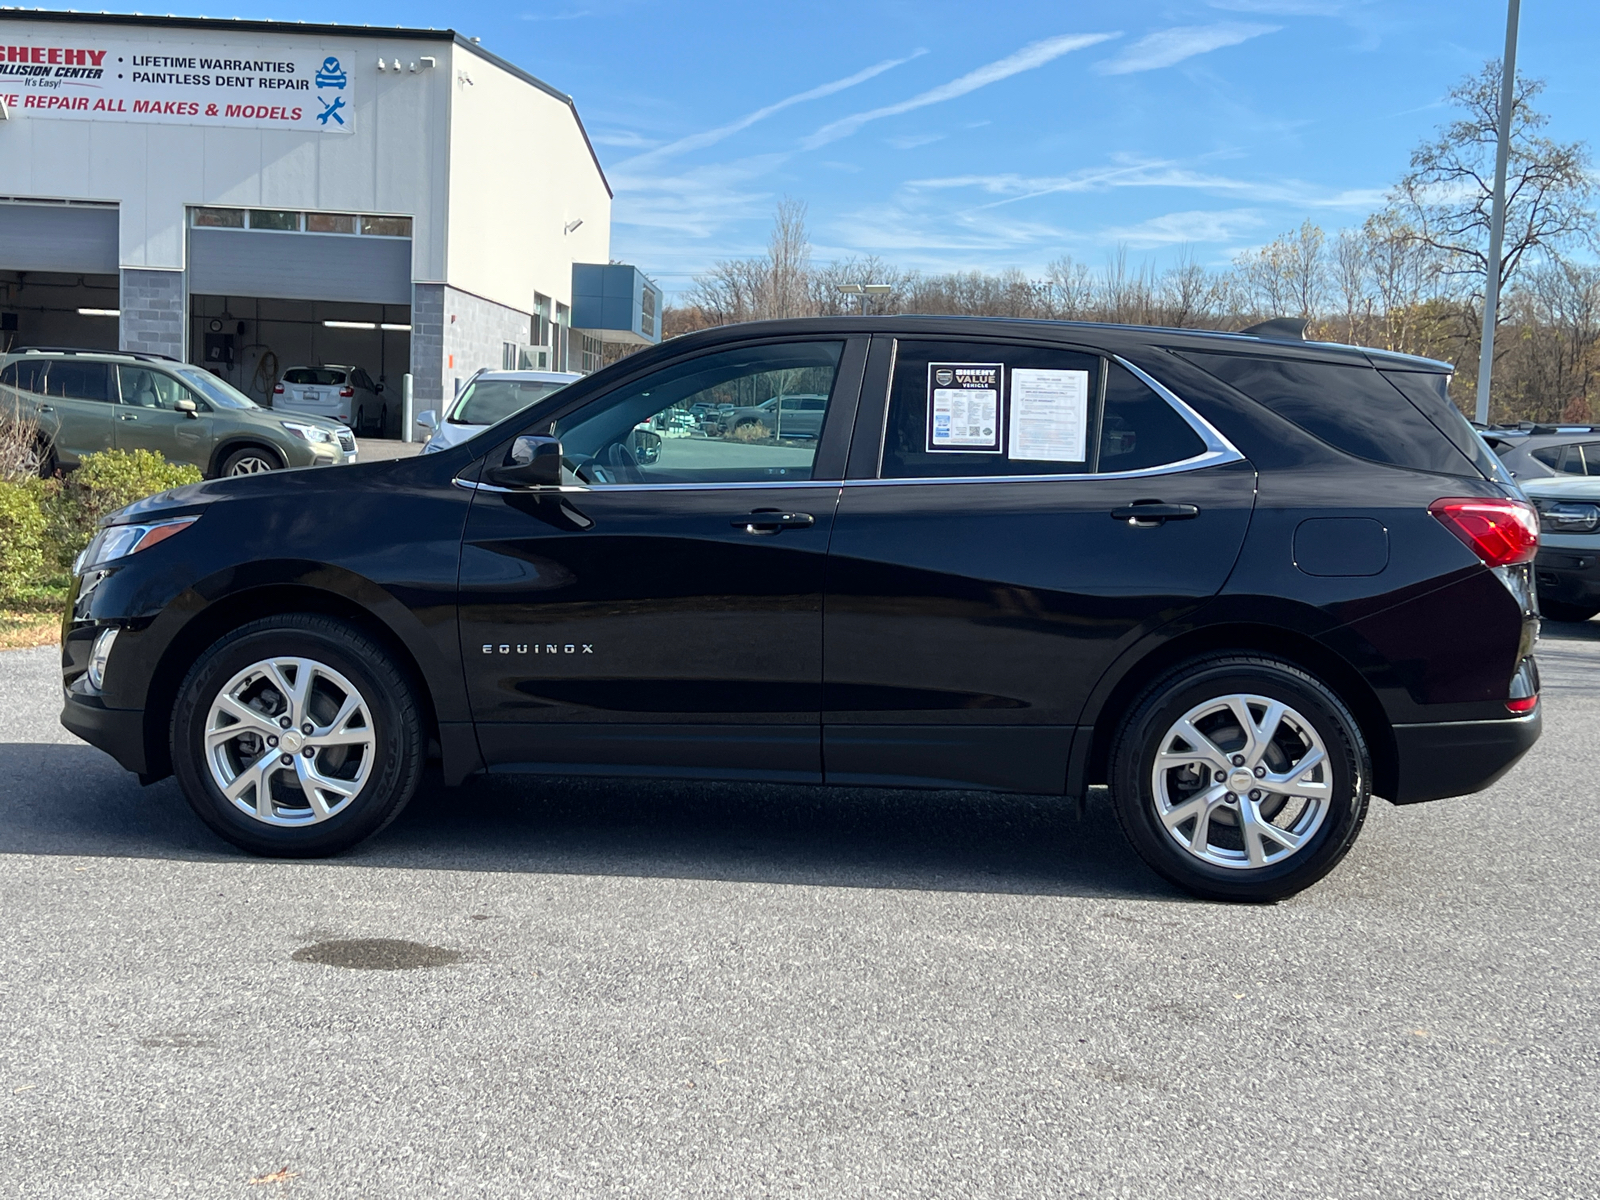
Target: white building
{"points": [[256, 195]]}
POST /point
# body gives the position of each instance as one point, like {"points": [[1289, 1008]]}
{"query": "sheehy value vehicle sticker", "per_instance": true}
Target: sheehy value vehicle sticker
{"points": [[964, 401], [1049, 415]]}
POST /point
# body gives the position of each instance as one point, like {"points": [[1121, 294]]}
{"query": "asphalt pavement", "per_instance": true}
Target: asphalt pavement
{"points": [[611, 989]]}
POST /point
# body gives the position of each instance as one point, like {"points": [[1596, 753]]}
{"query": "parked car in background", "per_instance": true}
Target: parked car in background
{"points": [[487, 398], [88, 400], [797, 416], [1568, 566], [343, 394], [1248, 582], [1543, 451]]}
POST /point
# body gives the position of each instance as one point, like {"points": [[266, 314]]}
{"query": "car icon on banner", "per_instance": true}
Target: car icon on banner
{"points": [[332, 74]]}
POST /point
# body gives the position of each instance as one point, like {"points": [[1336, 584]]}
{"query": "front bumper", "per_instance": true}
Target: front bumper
{"points": [[1569, 575], [117, 731], [1457, 758]]}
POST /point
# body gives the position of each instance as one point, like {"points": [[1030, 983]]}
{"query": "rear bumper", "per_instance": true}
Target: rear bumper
{"points": [[117, 731], [1456, 758]]}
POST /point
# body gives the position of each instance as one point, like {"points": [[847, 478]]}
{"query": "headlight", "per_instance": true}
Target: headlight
{"points": [[308, 433], [1564, 516], [118, 541]]}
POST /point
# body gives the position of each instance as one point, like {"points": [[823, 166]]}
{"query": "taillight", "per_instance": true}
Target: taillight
{"points": [[1524, 696], [347, 392], [277, 389], [1500, 532]]}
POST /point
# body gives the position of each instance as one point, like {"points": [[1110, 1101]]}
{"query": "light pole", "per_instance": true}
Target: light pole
{"points": [[863, 290], [1497, 215]]}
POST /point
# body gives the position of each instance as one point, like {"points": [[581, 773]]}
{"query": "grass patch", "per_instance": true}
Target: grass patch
{"points": [[32, 617]]}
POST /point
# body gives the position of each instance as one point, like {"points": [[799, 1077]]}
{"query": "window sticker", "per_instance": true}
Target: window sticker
{"points": [[1049, 415], [964, 407]]}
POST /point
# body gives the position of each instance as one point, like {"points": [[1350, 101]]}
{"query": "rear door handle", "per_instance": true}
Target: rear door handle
{"points": [[127, 416], [771, 520], [1148, 514], [46, 408]]}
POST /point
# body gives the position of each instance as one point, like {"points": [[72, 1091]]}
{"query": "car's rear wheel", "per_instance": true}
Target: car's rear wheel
{"points": [[252, 460], [1559, 610], [1240, 778], [297, 736]]}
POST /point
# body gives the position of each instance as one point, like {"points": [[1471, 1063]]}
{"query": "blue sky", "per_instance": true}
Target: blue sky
{"points": [[946, 135]]}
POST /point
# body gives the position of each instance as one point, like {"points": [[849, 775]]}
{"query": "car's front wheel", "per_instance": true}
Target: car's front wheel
{"points": [[297, 736], [1240, 778], [251, 460]]}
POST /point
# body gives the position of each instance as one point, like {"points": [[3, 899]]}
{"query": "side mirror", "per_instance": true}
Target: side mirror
{"points": [[187, 408], [429, 420], [532, 462]]}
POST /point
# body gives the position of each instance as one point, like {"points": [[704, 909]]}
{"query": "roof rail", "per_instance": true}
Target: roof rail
{"points": [[1279, 329], [139, 355]]}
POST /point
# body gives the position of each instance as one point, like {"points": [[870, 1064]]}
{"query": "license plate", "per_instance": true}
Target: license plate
{"points": [[313, 397]]}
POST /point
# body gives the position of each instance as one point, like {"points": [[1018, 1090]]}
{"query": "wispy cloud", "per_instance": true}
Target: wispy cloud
{"points": [[1030, 57], [911, 141], [1286, 8], [1168, 46], [564, 16], [711, 137], [625, 138], [1186, 228]]}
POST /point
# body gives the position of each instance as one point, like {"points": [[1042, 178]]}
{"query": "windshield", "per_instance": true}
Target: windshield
{"points": [[220, 392], [487, 401]]}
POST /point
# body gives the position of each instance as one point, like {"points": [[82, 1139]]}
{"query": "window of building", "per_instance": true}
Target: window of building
{"points": [[217, 218], [264, 218], [386, 226], [330, 223]]}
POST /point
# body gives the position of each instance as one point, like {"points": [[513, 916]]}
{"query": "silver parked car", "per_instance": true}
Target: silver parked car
{"points": [[1568, 565], [798, 416], [344, 394], [489, 397]]}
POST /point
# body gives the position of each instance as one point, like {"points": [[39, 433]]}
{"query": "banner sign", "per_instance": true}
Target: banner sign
{"points": [[271, 84]]}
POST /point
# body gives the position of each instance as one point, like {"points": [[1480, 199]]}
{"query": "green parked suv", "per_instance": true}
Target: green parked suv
{"points": [[88, 400]]}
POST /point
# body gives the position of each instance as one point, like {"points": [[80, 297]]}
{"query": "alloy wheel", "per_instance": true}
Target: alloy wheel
{"points": [[289, 741], [251, 464], [1242, 781]]}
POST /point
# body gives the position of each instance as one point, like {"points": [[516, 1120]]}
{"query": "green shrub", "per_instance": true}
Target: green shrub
{"points": [[22, 530], [104, 482]]}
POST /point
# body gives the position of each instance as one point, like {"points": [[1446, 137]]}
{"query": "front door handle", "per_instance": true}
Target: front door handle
{"points": [[127, 416], [44, 408], [771, 520], [1150, 514]]}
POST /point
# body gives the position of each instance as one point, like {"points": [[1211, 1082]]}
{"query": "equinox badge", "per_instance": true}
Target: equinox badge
{"points": [[525, 648]]}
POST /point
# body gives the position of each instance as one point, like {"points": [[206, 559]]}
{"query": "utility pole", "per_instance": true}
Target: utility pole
{"points": [[1497, 215]]}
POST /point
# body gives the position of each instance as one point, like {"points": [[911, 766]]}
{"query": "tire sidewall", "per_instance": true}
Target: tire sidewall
{"points": [[1167, 701], [396, 744]]}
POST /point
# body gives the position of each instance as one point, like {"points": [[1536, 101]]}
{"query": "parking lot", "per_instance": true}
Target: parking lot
{"points": [[645, 989]]}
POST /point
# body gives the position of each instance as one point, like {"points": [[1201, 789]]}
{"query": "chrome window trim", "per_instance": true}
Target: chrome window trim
{"points": [[1219, 451]]}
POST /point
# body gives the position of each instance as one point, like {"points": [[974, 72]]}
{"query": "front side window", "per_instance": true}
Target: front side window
{"points": [[144, 388], [488, 401], [718, 418], [980, 409], [218, 391]]}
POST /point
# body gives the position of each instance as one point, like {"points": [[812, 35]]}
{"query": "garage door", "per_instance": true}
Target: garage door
{"points": [[299, 266], [71, 239]]}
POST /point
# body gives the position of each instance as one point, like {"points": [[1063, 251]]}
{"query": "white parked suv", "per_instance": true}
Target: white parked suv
{"points": [[489, 397], [344, 394]]}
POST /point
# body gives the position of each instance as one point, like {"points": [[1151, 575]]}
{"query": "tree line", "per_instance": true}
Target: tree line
{"points": [[1409, 278]]}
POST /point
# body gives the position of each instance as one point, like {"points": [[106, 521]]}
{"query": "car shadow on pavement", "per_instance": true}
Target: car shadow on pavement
{"points": [[1586, 631], [70, 799]]}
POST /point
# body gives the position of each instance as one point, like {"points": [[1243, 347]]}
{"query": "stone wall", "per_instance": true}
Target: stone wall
{"points": [[152, 306], [475, 333], [427, 345]]}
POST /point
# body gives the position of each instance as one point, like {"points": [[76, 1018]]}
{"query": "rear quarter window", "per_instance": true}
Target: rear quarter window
{"points": [[1352, 408], [1430, 392]]}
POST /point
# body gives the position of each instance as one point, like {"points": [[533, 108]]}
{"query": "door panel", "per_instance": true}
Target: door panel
{"points": [[81, 395], [968, 617], [633, 627], [146, 418]]}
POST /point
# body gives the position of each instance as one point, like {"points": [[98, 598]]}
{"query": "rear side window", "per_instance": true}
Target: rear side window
{"points": [[1352, 408], [976, 409], [1581, 459], [1430, 392], [312, 376], [72, 380]]}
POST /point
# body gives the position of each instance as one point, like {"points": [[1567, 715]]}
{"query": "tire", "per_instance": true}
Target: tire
{"points": [[367, 763], [361, 421], [1560, 610], [43, 461], [252, 460], [383, 422], [1262, 785]]}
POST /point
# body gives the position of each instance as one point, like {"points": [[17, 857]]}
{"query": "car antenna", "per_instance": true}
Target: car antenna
{"points": [[1285, 329]]}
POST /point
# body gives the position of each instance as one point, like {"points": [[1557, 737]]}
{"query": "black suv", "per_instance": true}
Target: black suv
{"points": [[1246, 581]]}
